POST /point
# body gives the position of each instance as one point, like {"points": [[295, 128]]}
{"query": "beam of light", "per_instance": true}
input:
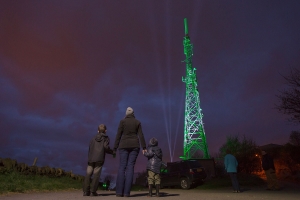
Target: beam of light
{"points": [[158, 67], [165, 91], [168, 40], [178, 118]]}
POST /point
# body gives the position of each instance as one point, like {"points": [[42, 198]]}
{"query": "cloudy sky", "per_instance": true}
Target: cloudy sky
{"points": [[68, 66]]}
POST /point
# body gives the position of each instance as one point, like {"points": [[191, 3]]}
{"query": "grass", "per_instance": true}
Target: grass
{"points": [[225, 181], [15, 182]]}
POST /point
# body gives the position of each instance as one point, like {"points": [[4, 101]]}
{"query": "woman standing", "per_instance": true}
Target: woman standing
{"points": [[128, 140]]}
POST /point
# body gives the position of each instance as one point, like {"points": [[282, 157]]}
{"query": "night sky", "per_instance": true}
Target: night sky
{"points": [[68, 66]]}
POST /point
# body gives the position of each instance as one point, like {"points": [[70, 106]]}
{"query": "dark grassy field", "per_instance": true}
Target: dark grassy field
{"points": [[245, 180], [15, 182]]}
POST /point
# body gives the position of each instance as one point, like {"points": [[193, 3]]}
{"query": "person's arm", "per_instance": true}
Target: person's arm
{"points": [[89, 148], [118, 136], [106, 146], [149, 153], [141, 136]]}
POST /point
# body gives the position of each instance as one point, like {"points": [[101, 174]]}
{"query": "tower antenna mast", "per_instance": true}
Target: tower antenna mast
{"points": [[194, 143]]}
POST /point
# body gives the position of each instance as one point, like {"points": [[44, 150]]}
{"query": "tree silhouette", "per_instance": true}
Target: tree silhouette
{"points": [[290, 98], [295, 138]]}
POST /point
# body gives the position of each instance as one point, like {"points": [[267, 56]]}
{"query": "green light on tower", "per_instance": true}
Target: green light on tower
{"points": [[194, 142]]}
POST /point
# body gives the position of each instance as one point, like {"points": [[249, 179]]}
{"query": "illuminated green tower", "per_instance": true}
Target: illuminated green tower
{"points": [[194, 143]]}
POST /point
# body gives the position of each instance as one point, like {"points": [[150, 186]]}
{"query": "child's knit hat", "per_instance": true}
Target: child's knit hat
{"points": [[153, 142]]}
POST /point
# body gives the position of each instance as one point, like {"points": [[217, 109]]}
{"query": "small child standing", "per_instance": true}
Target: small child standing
{"points": [[98, 147], [154, 155]]}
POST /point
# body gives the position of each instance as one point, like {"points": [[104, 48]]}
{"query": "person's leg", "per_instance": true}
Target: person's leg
{"points": [[133, 154], [150, 182], [235, 182], [157, 179], [269, 179], [123, 154], [231, 174], [273, 180], [157, 184], [150, 177], [96, 176], [87, 179]]}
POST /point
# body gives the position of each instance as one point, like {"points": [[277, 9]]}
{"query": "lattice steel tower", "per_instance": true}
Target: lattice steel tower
{"points": [[194, 143]]}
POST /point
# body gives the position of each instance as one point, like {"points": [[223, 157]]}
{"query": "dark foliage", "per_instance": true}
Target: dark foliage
{"points": [[295, 138], [290, 98], [245, 151]]}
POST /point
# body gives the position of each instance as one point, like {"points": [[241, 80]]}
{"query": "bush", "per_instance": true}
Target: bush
{"points": [[245, 151], [13, 181]]}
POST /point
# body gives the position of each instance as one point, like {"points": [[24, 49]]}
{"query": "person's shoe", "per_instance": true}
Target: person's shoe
{"points": [[94, 194], [119, 195], [238, 191], [235, 191], [126, 195], [86, 194]]}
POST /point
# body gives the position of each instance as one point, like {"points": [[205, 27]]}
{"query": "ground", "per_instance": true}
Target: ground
{"points": [[288, 191]]}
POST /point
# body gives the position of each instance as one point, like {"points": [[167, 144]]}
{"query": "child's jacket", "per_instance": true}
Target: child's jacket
{"points": [[99, 146], [154, 155]]}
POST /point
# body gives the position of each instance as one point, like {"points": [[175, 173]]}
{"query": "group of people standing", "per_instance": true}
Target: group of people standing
{"points": [[129, 140], [231, 163]]}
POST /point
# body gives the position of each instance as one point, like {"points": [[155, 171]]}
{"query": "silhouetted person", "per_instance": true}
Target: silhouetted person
{"points": [[154, 155], [231, 164], [98, 147], [128, 139], [269, 168]]}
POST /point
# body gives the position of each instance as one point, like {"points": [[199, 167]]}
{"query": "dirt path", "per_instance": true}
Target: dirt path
{"points": [[289, 191]]}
